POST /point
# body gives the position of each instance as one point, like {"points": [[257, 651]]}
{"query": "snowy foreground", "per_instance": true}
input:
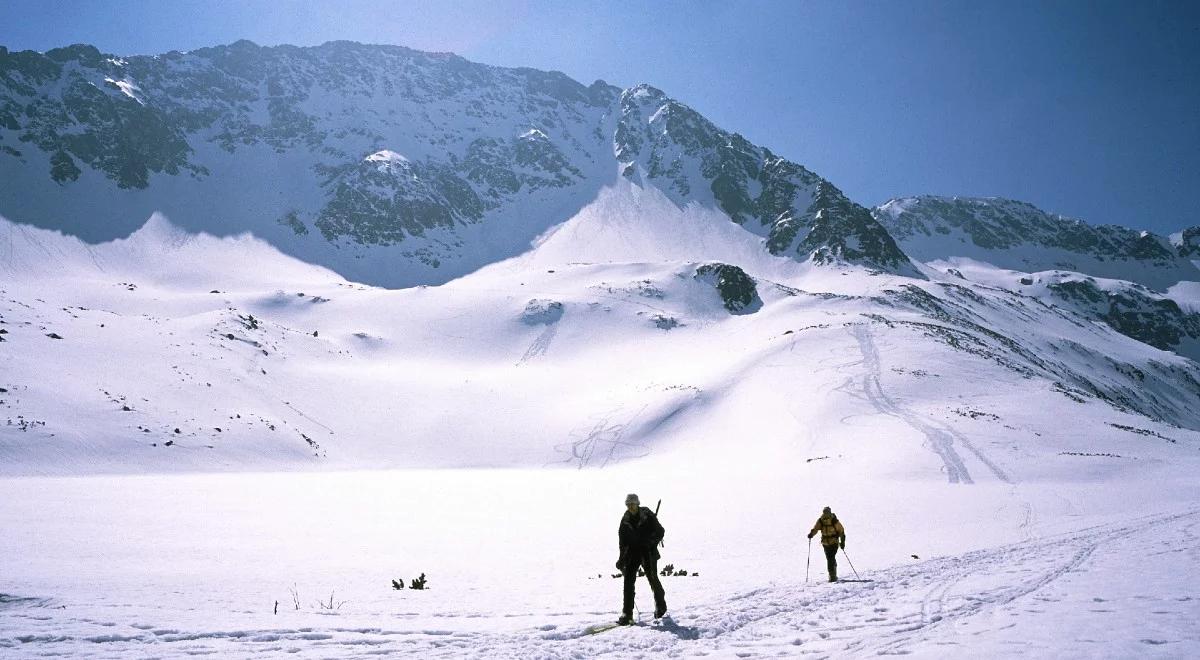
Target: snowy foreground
{"points": [[192, 565], [188, 443]]}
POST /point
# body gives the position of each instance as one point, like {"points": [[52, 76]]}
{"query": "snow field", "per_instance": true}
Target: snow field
{"points": [[172, 565], [333, 437]]}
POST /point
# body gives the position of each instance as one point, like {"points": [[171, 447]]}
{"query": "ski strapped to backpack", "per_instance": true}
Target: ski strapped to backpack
{"points": [[661, 544]]}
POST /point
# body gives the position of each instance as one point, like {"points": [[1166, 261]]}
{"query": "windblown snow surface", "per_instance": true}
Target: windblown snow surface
{"points": [[198, 432]]}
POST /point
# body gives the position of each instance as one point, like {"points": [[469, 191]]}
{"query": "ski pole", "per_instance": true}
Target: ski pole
{"points": [[851, 564], [808, 563]]}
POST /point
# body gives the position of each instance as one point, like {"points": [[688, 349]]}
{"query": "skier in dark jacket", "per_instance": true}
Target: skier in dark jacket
{"points": [[833, 536], [639, 535]]}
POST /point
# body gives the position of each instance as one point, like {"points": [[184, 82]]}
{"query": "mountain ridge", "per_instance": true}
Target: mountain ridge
{"points": [[1018, 235], [494, 156]]}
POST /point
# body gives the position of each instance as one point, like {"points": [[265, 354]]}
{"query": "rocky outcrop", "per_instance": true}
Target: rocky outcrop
{"points": [[1188, 243], [540, 311], [1134, 312], [737, 289]]}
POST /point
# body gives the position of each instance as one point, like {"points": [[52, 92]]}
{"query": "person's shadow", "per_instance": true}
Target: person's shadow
{"points": [[682, 632]]}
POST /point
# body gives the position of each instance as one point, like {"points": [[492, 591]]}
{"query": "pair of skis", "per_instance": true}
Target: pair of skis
{"points": [[604, 627]]}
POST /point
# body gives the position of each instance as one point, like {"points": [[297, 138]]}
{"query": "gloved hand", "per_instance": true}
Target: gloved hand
{"points": [[843, 544], [811, 534], [620, 566]]}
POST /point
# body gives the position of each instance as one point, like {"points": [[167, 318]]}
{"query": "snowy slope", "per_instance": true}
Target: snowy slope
{"points": [[307, 368], [613, 357]]}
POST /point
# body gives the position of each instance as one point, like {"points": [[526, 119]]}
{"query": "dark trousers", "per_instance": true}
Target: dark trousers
{"points": [[831, 559], [647, 563]]}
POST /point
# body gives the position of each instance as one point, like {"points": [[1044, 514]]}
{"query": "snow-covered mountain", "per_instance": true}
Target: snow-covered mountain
{"points": [[1140, 284], [611, 295], [604, 222], [675, 315], [389, 165], [1020, 236]]}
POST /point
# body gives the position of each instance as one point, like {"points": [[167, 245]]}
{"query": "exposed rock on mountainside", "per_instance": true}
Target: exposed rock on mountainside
{"points": [[1188, 243], [542, 312], [1020, 236], [390, 165], [799, 213], [737, 289], [1134, 312], [967, 319]]}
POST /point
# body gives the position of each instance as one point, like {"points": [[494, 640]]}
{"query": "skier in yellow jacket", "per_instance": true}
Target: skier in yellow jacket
{"points": [[833, 536]]}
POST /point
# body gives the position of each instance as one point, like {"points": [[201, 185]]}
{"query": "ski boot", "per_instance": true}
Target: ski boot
{"points": [[625, 620], [660, 610]]}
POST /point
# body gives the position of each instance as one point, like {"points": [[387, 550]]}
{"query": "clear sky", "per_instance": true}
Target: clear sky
{"points": [[1089, 109]]}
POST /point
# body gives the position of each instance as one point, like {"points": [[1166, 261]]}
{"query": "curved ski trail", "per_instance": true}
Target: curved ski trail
{"points": [[939, 437]]}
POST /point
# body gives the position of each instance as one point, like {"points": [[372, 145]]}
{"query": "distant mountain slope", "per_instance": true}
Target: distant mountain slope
{"points": [[1129, 309], [663, 141], [390, 165], [1019, 236], [158, 252], [1188, 243]]}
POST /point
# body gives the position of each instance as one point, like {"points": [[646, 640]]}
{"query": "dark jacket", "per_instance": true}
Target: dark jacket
{"points": [[640, 533]]}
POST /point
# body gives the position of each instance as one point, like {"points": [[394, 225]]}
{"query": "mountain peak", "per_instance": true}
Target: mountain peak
{"points": [[391, 165]]}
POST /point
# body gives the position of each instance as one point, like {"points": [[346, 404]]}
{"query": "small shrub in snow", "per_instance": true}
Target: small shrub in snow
{"points": [[665, 322], [332, 604], [25, 424]]}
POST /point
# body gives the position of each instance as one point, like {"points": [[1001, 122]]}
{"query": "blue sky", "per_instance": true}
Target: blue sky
{"points": [[1090, 109]]}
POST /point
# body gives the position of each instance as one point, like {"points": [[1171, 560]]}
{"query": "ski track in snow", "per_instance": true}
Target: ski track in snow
{"points": [[605, 442], [939, 438], [935, 608], [540, 344]]}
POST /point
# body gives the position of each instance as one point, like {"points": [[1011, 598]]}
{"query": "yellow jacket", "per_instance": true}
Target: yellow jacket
{"points": [[831, 530]]}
